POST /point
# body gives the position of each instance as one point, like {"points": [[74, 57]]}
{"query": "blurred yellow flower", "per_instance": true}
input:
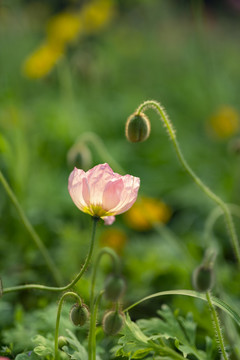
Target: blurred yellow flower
{"points": [[146, 212], [115, 239], [96, 14], [63, 28], [42, 60], [225, 122]]}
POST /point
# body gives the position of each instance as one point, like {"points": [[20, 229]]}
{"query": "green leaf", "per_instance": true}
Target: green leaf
{"points": [[27, 356], [76, 351], [169, 326], [45, 346], [142, 338], [133, 343]]}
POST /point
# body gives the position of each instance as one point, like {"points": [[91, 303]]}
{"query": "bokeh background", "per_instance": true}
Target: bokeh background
{"points": [[71, 72]]}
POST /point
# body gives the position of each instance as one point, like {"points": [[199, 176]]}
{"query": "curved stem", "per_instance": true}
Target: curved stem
{"points": [[116, 263], [215, 319], [215, 214], [217, 302], [97, 142], [92, 333], [167, 123], [37, 240], [117, 266], [58, 318], [72, 283]]}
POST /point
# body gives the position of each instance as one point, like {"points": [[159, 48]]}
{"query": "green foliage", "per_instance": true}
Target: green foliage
{"points": [[147, 336]]}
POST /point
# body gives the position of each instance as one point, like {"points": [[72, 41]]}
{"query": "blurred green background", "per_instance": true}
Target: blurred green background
{"points": [[57, 84]]}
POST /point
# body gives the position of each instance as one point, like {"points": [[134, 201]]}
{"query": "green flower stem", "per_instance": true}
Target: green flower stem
{"points": [[214, 215], [167, 123], [35, 237], [72, 283], [116, 263], [97, 142], [92, 329], [117, 267], [219, 334], [217, 302], [70, 293]]}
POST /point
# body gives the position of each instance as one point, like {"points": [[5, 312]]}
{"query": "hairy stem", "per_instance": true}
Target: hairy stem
{"points": [[35, 237], [167, 123], [116, 263], [216, 323], [70, 293], [92, 329]]}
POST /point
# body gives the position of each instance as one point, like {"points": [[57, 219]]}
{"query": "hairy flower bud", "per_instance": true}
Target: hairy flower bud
{"points": [[79, 314], [137, 127], [203, 278], [115, 287], [62, 341], [113, 322]]}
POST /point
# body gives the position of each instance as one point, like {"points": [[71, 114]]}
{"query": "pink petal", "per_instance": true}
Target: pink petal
{"points": [[78, 188], [129, 194], [112, 194], [108, 220], [98, 177]]}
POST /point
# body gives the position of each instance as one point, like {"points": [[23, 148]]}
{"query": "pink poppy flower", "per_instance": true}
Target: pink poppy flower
{"points": [[102, 193]]}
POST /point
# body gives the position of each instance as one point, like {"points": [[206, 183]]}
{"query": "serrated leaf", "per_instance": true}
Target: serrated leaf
{"points": [[133, 342], [78, 352], [45, 346], [169, 326]]}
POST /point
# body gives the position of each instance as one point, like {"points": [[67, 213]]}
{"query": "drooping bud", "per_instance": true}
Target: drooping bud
{"points": [[62, 341], [137, 127], [113, 322], [114, 287], [203, 278], [80, 156], [79, 314]]}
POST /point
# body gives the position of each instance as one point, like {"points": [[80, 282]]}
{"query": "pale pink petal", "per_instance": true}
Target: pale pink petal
{"points": [[129, 194], [100, 191], [108, 220], [98, 177], [112, 194], [78, 188]]}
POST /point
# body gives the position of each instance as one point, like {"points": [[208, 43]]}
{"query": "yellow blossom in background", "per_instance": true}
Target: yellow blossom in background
{"points": [[146, 212], [41, 61], [96, 14], [63, 28], [224, 123], [115, 239]]}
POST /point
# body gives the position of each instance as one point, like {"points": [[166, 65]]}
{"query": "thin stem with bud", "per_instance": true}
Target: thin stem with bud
{"points": [[70, 293], [167, 123]]}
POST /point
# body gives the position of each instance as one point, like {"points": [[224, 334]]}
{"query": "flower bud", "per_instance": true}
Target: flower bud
{"points": [[115, 287], [203, 278], [62, 341], [113, 322], [80, 156], [137, 128], [79, 314]]}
